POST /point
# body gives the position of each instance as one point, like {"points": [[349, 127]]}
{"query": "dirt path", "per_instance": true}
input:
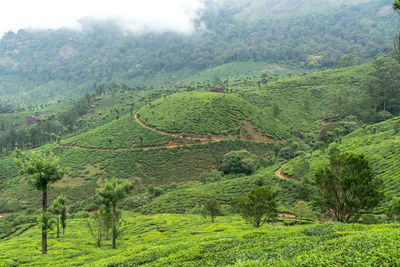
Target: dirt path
{"points": [[155, 129], [171, 144], [200, 140], [281, 175]]}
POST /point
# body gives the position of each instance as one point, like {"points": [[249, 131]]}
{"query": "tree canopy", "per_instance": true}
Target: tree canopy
{"points": [[348, 187]]}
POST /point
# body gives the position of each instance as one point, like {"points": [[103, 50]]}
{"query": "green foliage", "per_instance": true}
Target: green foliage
{"points": [[41, 169], [347, 61], [394, 210], [348, 187], [396, 5], [112, 192], [179, 240], [122, 133], [96, 227], [59, 209], [211, 208], [302, 210], [46, 221], [203, 113], [259, 206], [383, 84], [240, 162], [379, 142]]}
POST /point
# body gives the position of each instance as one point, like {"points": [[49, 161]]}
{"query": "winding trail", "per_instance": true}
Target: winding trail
{"points": [[199, 140], [281, 175]]}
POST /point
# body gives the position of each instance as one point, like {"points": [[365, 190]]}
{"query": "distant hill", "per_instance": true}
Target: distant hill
{"points": [[252, 10], [42, 66]]}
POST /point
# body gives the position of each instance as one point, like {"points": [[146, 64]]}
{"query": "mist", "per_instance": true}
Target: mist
{"points": [[135, 16]]}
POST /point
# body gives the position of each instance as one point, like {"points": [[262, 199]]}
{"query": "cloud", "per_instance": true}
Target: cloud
{"points": [[132, 15]]}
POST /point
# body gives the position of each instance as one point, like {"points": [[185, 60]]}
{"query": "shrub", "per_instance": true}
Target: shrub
{"points": [[240, 161]]}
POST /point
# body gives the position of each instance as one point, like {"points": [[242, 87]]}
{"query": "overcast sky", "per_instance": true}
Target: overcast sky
{"points": [[134, 15]]}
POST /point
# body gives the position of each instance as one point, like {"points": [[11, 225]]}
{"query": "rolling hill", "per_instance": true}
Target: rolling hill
{"points": [[210, 113], [379, 142]]}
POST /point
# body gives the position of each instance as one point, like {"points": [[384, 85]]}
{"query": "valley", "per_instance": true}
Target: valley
{"points": [[267, 136]]}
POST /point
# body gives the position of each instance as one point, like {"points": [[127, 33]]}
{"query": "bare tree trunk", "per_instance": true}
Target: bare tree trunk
{"points": [[58, 226], [114, 230], [44, 231]]}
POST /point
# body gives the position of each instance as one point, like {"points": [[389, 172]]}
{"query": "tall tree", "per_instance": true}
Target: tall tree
{"points": [[348, 187], [258, 206], [384, 83], [42, 170], [58, 208], [112, 192]]}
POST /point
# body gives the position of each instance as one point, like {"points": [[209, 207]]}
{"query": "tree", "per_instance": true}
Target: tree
{"points": [[348, 187], [384, 83], [42, 170], [396, 5], [211, 208], [96, 227], [347, 61], [113, 191], [302, 210], [394, 210], [58, 208], [240, 161], [63, 220], [258, 206]]}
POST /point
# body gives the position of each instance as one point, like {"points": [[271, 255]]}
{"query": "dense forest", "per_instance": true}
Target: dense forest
{"points": [[55, 64]]}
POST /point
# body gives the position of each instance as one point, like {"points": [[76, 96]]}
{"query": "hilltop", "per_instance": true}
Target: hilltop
{"points": [[210, 113]]}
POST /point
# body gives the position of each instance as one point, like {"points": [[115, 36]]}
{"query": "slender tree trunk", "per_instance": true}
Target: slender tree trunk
{"points": [[114, 230], [58, 226], [44, 231]]}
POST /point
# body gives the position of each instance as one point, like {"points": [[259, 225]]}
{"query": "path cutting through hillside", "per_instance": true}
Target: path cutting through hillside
{"points": [[281, 175], [199, 140]]}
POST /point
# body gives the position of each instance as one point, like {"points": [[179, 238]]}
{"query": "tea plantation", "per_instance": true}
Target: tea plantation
{"points": [[191, 240], [207, 113]]}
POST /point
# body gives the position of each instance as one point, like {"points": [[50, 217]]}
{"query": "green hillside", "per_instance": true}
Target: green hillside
{"points": [[190, 240], [226, 190], [379, 142], [124, 132], [161, 167], [73, 63], [208, 113]]}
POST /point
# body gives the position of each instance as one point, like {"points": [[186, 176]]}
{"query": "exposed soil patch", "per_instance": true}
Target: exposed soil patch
{"points": [[281, 175], [286, 216], [248, 132]]}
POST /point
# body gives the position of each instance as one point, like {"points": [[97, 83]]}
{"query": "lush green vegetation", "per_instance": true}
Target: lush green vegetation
{"points": [[379, 142], [207, 113], [151, 167], [160, 240], [78, 61], [124, 132]]}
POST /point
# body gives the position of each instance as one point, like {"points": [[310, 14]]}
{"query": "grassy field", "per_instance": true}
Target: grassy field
{"points": [[191, 240], [207, 113]]}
